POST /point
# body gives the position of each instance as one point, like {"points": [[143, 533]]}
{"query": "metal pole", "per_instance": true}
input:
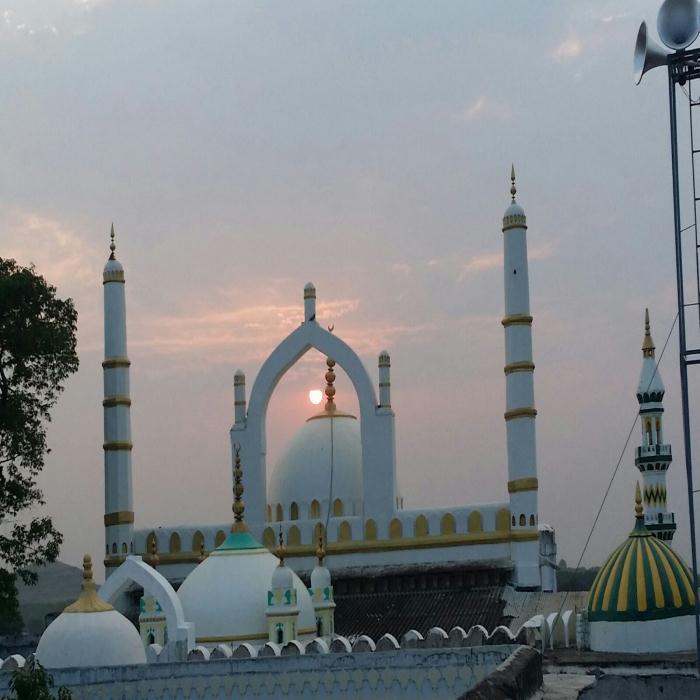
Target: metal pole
{"points": [[682, 347]]}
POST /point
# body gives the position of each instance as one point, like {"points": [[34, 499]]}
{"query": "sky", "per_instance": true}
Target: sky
{"points": [[245, 148]]}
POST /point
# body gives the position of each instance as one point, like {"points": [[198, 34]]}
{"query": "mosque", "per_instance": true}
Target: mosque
{"points": [[220, 592]]}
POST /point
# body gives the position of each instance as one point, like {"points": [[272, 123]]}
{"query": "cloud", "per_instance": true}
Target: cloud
{"points": [[401, 268], [614, 18], [569, 49], [475, 109], [490, 261]]}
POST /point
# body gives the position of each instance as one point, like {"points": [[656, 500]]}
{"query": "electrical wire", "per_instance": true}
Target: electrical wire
{"points": [[619, 461]]}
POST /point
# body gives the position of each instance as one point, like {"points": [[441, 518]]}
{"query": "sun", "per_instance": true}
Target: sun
{"points": [[316, 396]]}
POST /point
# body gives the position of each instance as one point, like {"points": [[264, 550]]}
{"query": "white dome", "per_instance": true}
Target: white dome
{"points": [[514, 209], [303, 472], [282, 578], [90, 632], [82, 639], [226, 595], [320, 577]]}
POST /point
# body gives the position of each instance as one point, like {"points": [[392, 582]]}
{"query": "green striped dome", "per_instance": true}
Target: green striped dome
{"points": [[643, 579]]}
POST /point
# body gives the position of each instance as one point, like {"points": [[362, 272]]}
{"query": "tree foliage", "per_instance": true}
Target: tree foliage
{"points": [[34, 683], [37, 354]]}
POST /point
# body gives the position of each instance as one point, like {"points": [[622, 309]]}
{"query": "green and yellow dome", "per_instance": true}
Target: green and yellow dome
{"points": [[643, 579]]}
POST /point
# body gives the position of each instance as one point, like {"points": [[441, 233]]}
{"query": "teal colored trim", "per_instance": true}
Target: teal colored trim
{"points": [[239, 540]]}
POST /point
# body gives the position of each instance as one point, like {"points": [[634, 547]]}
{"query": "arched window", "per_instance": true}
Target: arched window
{"points": [[269, 538], [114, 547], [279, 514], [125, 549], [294, 511], [175, 544], [370, 530], [344, 532], [220, 537], [294, 536], [197, 542], [315, 509], [269, 513], [647, 430], [447, 524], [151, 638], [475, 523], [280, 634], [532, 520], [421, 526], [106, 550], [395, 529], [523, 522], [337, 508], [319, 627], [503, 519]]}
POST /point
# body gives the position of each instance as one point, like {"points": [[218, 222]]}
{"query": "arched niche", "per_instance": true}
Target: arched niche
{"points": [[376, 425], [448, 525], [371, 530], [134, 570], [503, 519], [421, 526], [475, 522], [293, 536]]}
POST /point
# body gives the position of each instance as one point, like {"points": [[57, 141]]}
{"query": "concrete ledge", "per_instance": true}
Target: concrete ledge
{"points": [[643, 687], [519, 677]]}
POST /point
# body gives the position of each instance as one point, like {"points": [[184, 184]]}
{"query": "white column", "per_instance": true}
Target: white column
{"points": [[239, 397], [520, 398], [309, 303], [119, 515]]}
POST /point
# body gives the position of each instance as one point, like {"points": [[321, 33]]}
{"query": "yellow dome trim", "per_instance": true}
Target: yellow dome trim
{"points": [[655, 579]]}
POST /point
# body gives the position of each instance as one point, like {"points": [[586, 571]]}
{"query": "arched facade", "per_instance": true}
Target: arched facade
{"points": [[376, 422]]}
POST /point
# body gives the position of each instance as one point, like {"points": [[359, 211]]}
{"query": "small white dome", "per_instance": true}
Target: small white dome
{"points": [[226, 595], [282, 578], [320, 577], [83, 639], [514, 209], [303, 472], [90, 633]]}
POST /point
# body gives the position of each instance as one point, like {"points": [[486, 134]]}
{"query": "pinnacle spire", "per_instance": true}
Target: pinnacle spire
{"points": [[112, 246], [638, 508], [281, 549], [648, 346], [330, 389], [238, 489], [321, 551], [88, 601], [513, 189]]}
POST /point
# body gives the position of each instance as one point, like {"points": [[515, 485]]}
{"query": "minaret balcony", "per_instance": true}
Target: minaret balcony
{"points": [[651, 453]]}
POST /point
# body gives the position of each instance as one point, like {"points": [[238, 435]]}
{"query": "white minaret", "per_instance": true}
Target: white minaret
{"points": [[520, 398], [653, 456], [119, 509]]}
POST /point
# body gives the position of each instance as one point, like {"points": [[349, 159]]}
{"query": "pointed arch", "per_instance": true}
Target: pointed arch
{"points": [[279, 513], [371, 530], [294, 536], [269, 538], [395, 529], [337, 508], [448, 526], [503, 519], [175, 544], [315, 509], [344, 532], [420, 528], [294, 511], [475, 522], [220, 537], [198, 541]]}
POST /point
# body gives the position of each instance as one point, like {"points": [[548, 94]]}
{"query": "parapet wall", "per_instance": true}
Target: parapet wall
{"points": [[400, 673]]}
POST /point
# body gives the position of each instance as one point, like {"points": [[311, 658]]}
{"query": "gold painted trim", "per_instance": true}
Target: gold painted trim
{"points": [[516, 320], [113, 401], [113, 362], [510, 222], [116, 446], [122, 517], [525, 366], [243, 637], [528, 484], [526, 412]]}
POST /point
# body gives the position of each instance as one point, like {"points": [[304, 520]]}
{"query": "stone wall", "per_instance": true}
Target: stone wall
{"points": [[643, 687]]}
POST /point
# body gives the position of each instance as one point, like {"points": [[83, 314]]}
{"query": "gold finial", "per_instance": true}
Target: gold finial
{"points": [[112, 247], [281, 549], [155, 559], [638, 508], [88, 600], [648, 346], [238, 489], [321, 551], [330, 389], [513, 189]]}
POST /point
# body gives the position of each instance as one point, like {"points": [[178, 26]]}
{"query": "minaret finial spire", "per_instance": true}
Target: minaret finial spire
{"points": [[321, 551], [112, 246], [513, 189], [648, 346], [330, 388], [281, 549], [88, 601], [238, 489]]}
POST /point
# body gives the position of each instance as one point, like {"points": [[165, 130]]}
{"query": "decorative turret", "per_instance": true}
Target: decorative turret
{"points": [[282, 609], [321, 592], [239, 404], [653, 457], [309, 302], [520, 397], [119, 510], [384, 380]]}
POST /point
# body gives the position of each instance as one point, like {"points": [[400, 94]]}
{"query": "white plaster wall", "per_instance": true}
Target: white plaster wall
{"points": [[652, 636]]}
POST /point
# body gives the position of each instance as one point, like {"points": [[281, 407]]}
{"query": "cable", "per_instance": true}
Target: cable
{"points": [[619, 461]]}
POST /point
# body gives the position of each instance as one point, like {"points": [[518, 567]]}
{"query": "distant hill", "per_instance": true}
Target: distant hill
{"points": [[58, 586]]}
